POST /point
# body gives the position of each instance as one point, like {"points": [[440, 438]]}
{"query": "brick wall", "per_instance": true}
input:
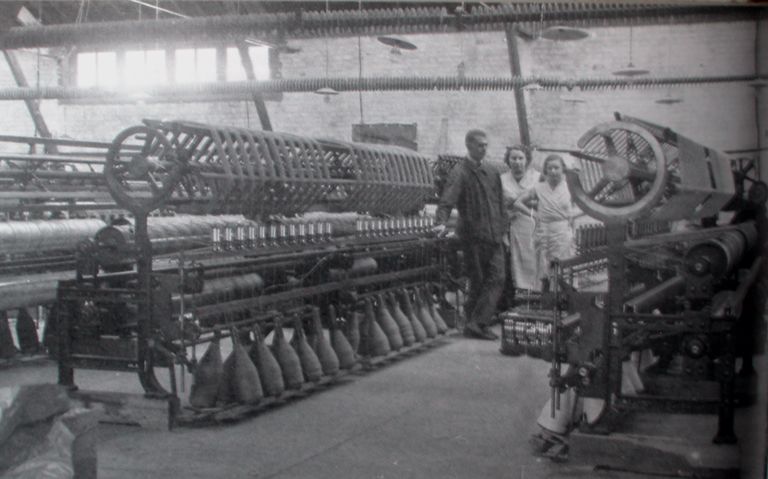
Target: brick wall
{"points": [[720, 115]]}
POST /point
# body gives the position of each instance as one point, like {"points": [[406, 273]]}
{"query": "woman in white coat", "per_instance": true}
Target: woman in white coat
{"points": [[522, 257]]}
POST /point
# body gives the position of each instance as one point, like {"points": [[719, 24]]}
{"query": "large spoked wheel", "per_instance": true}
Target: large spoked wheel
{"points": [[621, 172], [142, 169]]}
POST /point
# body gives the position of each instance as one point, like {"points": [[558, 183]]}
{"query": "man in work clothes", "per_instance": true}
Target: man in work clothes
{"points": [[475, 190]]}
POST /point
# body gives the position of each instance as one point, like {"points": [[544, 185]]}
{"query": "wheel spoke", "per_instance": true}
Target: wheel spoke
{"points": [[153, 184], [147, 146], [589, 157], [601, 184], [613, 188], [610, 146]]}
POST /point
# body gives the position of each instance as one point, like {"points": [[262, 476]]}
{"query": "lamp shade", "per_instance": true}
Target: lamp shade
{"points": [[562, 33]]}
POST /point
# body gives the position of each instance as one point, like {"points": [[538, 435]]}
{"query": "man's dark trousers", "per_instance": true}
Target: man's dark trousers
{"points": [[484, 262]]}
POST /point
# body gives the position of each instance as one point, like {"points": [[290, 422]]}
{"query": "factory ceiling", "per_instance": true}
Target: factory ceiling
{"points": [[74, 11], [99, 23]]}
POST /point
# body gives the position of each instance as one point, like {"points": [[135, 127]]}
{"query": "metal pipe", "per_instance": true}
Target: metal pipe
{"points": [[35, 140], [246, 89], [219, 290], [42, 236], [718, 256], [31, 290], [61, 158], [647, 300], [350, 23]]}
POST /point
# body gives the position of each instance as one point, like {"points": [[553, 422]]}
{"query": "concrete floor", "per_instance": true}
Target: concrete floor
{"points": [[459, 410]]}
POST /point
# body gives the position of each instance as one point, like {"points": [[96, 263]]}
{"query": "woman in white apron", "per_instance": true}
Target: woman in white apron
{"points": [[522, 256], [553, 234]]}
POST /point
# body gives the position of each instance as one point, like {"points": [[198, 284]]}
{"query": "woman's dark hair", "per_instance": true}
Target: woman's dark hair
{"points": [[526, 151]]}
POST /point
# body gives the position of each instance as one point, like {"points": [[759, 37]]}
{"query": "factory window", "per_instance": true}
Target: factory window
{"points": [[96, 68], [195, 65], [259, 59], [145, 67], [158, 66]]}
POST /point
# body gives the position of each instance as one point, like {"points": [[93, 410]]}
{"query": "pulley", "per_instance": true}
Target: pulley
{"points": [[142, 179], [620, 171]]}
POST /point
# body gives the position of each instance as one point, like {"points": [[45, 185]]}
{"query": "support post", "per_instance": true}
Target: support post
{"points": [[145, 340], [258, 99], [514, 63], [611, 333]]}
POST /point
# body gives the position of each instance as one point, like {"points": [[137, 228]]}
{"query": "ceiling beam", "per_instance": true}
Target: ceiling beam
{"points": [[349, 23]]}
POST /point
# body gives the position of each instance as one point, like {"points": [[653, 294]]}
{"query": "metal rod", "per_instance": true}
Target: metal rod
{"points": [[59, 142], [555, 373], [50, 158], [661, 292], [269, 299]]}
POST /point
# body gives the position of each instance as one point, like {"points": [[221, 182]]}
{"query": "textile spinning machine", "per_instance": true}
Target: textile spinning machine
{"points": [[321, 236], [56, 205], [662, 334], [43, 180]]}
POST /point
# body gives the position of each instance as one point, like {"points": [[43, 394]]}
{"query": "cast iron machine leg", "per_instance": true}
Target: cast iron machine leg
{"points": [[725, 372], [145, 339]]}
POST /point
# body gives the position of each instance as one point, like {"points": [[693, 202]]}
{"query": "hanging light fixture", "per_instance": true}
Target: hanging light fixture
{"points": [[558, 33], [669, 99], [327, 92], [397, 44], [631, 70], [561, 33]]}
